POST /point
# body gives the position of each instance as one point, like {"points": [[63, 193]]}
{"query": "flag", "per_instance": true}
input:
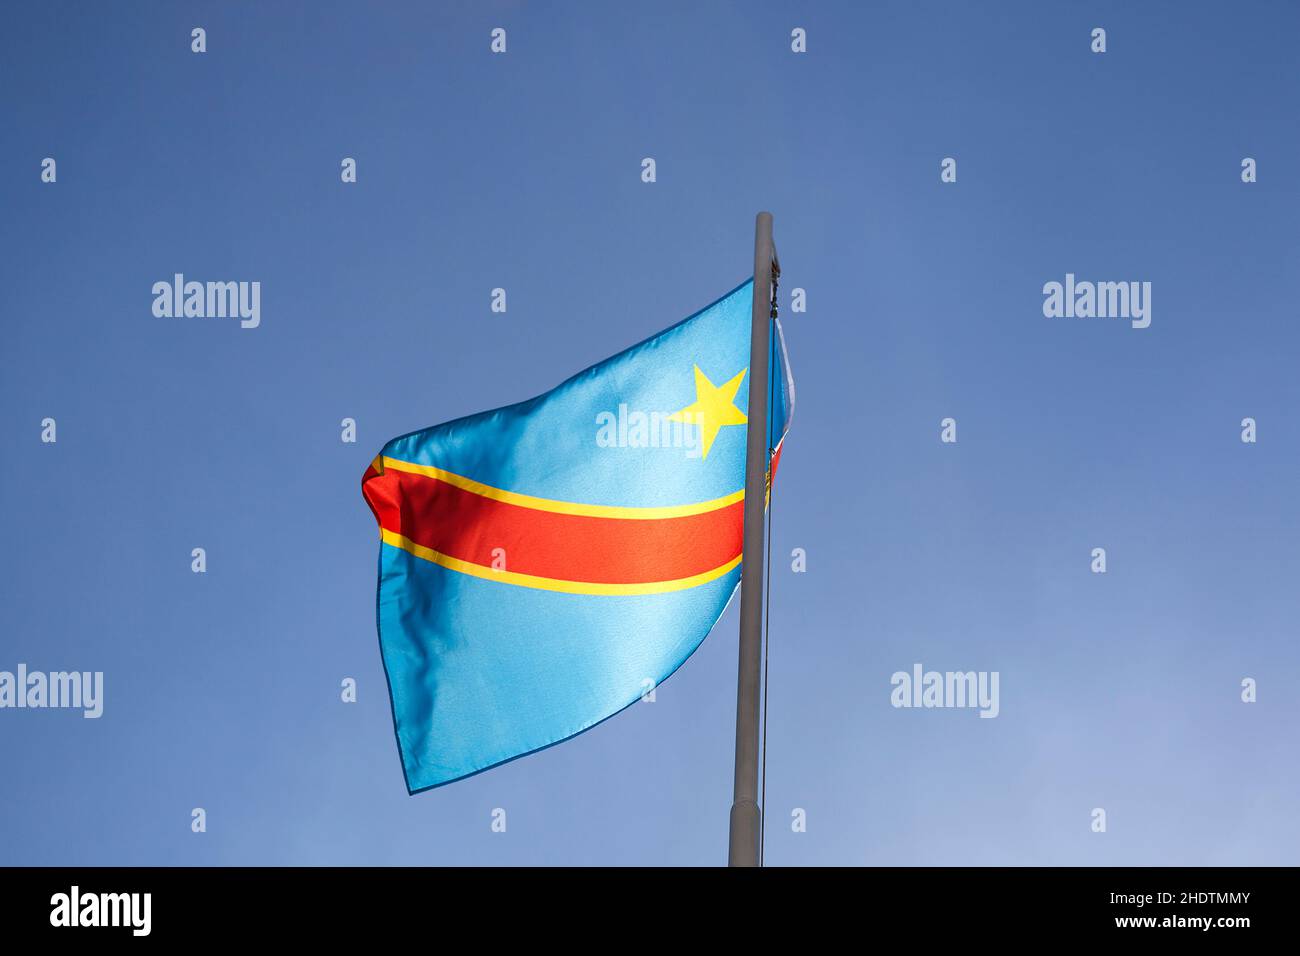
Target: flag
{"points": [[543, 565]]}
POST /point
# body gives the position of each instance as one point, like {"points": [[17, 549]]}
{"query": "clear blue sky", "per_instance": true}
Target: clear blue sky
{"points": [[1119, 691]]}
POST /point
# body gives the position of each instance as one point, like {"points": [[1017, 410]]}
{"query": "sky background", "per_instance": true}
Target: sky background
{"points": [[1119, 691]]}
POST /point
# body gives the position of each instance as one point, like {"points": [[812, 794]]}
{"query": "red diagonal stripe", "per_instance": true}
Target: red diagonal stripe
{"points": [[469, 526]]}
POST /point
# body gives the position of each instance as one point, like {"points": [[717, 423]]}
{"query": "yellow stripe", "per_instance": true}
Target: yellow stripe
{"points": [[553, 584], [560, 507]]}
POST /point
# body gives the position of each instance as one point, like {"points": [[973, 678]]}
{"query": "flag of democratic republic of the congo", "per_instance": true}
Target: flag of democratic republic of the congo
{"points": [[542, 565]]}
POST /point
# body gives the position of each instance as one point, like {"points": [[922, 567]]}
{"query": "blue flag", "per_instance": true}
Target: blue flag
{"points": [[542, 565]]}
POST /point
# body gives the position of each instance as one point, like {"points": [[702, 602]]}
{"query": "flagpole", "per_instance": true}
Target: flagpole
{"points": [[745, 811]]}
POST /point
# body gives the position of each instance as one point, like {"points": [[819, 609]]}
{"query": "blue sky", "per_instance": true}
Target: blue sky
{"points": [[1119, 691]]}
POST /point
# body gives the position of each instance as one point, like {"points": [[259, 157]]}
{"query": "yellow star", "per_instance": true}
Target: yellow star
{"points": [[713, 409]]}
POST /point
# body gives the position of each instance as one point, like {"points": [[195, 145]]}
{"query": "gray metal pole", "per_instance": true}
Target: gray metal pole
{"points": [[745, 812]]}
